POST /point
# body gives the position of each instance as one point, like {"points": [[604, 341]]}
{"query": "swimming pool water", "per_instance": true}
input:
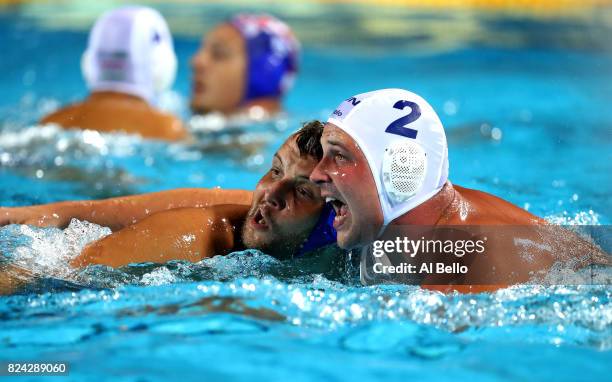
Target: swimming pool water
{"points": [[527, 119]]}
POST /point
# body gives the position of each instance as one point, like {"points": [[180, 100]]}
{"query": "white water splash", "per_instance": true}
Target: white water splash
{"points": [[47, 251]]}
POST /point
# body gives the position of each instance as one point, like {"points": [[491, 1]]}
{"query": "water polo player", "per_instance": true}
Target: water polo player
{"points": [[285, 216], [128, 62], [244, 67], [385, 169]]}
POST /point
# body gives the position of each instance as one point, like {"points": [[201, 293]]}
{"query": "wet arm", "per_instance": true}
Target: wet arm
{"points": [[13, 278], [120, 212], [189, 234]]}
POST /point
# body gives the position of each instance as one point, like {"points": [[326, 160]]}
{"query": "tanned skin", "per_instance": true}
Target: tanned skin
{"points": [[189, 234], [281, 213], [118, 112], [285, 209], [117, 213], [359, 219]]}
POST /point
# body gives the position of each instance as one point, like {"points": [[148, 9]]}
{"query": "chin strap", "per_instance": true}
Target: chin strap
{"points": [[323, 233]]}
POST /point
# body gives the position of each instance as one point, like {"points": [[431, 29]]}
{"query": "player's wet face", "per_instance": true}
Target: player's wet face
{"points": [[347, 182], [286, 204]]}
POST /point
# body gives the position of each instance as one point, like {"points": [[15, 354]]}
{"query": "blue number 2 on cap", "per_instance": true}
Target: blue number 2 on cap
{"points": [[398, 126]]}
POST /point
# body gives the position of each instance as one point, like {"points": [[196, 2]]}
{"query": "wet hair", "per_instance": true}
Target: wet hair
{"points": [[308, 139]]}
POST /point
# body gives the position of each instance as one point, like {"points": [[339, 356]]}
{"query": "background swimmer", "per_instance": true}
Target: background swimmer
{"points": [[385, 168], [129, 60], [244, 66]]}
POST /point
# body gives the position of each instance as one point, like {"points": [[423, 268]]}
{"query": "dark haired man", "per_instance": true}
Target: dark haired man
{"points": [[286, 217]]}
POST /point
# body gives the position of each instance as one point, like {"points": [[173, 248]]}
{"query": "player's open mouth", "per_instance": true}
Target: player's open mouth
{"points": [[259, 221], [342, 211]]}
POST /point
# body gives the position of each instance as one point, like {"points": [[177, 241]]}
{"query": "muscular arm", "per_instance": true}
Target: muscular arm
{"points": [[120, 212], [181, 234]]}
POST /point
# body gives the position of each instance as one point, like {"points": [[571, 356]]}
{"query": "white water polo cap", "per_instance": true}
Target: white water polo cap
{"points": [[130, 50], [404, 143]]}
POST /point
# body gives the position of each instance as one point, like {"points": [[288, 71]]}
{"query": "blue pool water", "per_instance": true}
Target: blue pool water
{"points": [[526, 107]]}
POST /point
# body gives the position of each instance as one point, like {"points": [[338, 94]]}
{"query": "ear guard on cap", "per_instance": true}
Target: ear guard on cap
{"points": [[404, 166]]}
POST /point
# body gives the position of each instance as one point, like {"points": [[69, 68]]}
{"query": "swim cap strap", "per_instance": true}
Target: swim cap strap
{"points": [[323, 234]]}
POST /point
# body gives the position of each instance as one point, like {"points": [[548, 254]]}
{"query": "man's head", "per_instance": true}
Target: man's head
{"points": [[250, 57], [286, 204], [384, 153], [130, 51]]}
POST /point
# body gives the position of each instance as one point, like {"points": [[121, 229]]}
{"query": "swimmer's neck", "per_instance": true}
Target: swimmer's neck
{"points": [[433, 211], [115, 96]]}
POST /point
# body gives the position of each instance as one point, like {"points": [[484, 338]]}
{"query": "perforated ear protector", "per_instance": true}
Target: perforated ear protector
{"points": [[404, 166]]}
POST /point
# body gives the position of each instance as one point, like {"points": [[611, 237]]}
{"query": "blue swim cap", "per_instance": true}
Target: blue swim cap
{"points": [[323, 233], [272, 53]]}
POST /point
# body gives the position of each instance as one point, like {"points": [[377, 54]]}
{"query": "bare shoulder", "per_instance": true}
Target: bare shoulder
{"points": [[485, 208], [217, 226], [112, 114], [64, 116], [179, 234], [140, 118], [167, 126], [231, 214]]}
